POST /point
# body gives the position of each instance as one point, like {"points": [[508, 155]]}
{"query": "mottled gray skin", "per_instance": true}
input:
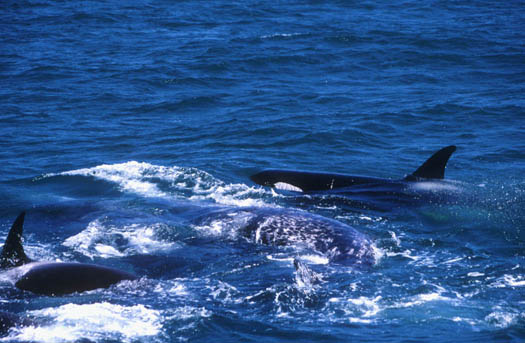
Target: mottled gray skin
{"points": [[290, 227]]}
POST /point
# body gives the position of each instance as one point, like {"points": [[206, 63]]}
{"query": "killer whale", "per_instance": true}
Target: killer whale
{"points": [[300, 181], [335, 240], [52, 278], [9, 320]]}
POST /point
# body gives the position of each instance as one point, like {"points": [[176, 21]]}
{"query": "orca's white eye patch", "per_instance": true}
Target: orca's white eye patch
{"points": [[287, 187]]}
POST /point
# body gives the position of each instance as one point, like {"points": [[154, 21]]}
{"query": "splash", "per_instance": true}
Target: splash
{"points": [[154, 181], [305, 278], [95, 322], [99, 240], [362, 310]]}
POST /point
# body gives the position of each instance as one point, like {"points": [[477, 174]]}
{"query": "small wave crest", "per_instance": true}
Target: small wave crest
{"points": [[149, 180], [100, 240], [95, 322], [359, 310]]}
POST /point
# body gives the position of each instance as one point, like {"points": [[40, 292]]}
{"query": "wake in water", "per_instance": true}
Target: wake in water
{"points": [[153, 181], [98, 322], [204, 249]]}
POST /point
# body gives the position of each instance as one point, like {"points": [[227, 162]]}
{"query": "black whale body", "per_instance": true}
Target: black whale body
{"points": [[290, 227], [53, 278], [433, 168], [427, 180]]}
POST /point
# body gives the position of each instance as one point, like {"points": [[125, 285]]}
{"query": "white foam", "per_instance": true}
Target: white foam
{"points": [[465, 320], [500, 318], [280, 259], [475, 274], [130, 176], [457, 259], [310, 258], [96, 322], [369, 307], [407, 254], [514, 281], [395, 238], [359, 320], [424, 298], [163, 290], [189, 312], [509, 281], [370, 219], [227, 225], [144, 179], [233, 194], [112, 241], [315, 259], [362, 310], [224, 292], [107, 251], [378, 253], [281, 35]]}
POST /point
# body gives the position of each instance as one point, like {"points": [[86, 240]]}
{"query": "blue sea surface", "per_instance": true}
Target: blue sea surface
{"points": [[129, 131]]}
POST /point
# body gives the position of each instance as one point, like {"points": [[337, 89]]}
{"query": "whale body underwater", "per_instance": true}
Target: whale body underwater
{"points": [[335, 240], [9, 320], [304, 231], [426, 182], [52, 278]]}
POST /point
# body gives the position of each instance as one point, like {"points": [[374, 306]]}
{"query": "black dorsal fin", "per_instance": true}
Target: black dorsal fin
{"points": [[13, 254], [434, 167]]}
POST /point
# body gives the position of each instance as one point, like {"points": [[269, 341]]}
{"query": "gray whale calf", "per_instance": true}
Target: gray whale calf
{"points": [[295, 228], [52, 278]]}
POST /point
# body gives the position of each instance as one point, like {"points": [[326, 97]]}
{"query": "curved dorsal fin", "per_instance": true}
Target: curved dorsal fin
{"points": [[434, 167], [13, 254]]}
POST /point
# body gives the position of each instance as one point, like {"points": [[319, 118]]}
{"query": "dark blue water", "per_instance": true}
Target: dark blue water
{"points": [[129, 130]]}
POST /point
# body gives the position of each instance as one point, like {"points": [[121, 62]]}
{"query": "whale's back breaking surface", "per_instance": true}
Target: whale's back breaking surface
{"points": [[299, 229], [432, 169], [334, 239], [52, 278], [56, 278]]}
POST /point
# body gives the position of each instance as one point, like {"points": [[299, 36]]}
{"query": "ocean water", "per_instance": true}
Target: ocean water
{"points": [[129, 130]]}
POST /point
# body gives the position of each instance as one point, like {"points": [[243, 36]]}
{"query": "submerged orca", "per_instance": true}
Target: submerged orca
{"points": [[53, 278], [432, 169], [9, 320]]}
